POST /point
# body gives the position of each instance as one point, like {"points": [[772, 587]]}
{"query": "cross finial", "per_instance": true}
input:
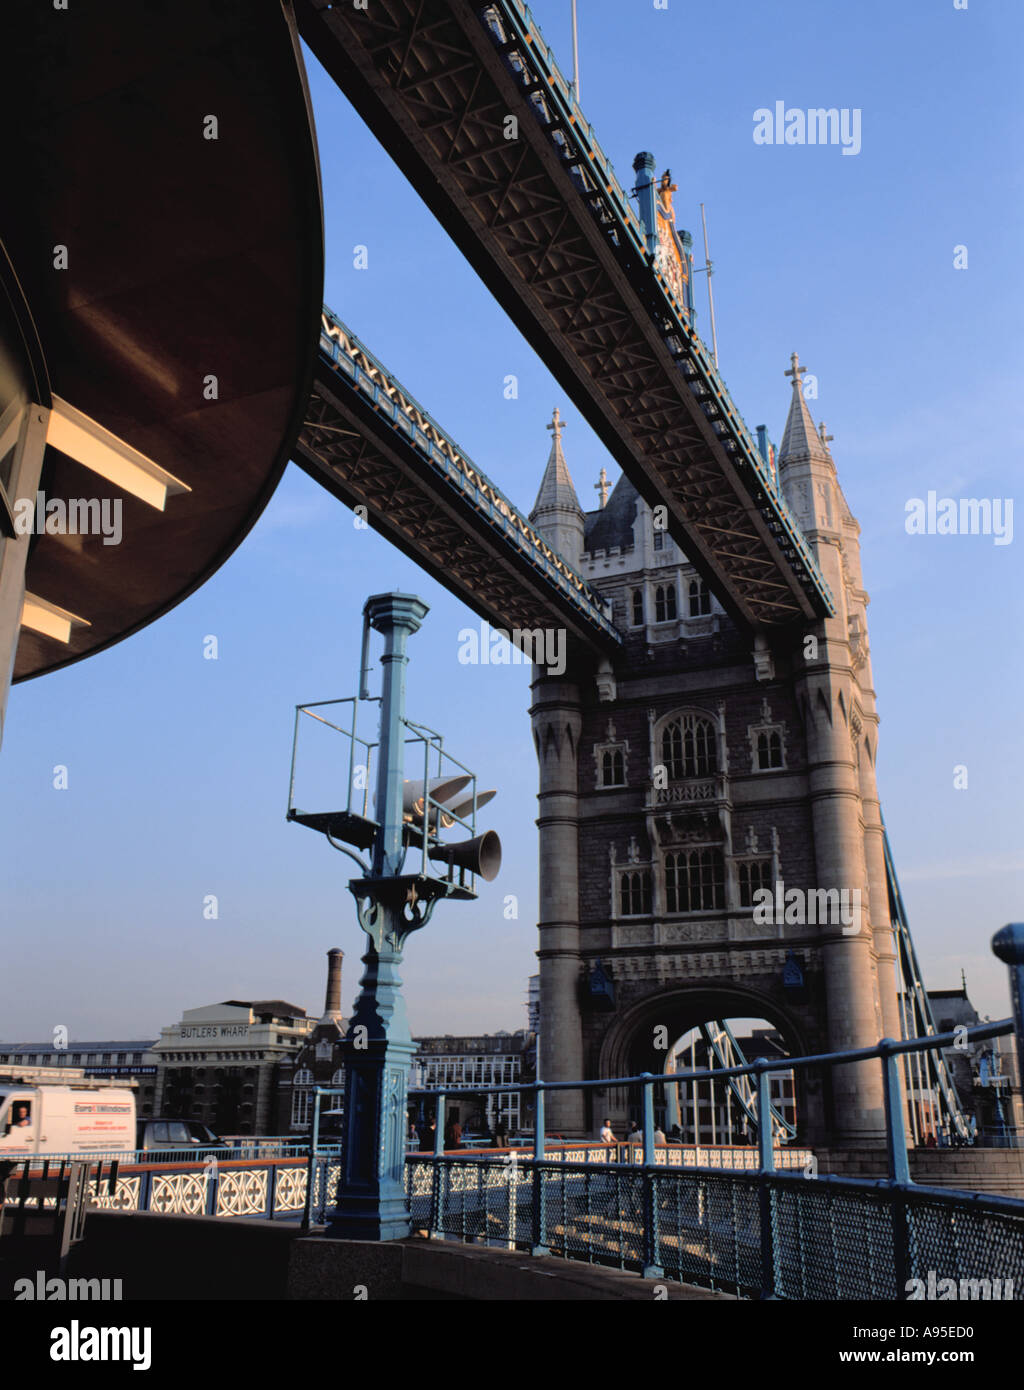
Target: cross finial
{"points": [[795, 369], [556, 426], [601, 486], [826, 439]]}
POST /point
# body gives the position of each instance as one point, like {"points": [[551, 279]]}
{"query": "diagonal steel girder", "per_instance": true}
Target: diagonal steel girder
{"points": [[434, 83]]}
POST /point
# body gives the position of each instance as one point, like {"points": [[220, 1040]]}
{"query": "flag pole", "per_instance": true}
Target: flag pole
{"points": [[709, 267]]}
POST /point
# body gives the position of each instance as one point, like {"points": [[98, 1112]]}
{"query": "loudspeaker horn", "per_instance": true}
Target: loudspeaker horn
{"points": [[481, 855], [462, 806], [439, 788]]}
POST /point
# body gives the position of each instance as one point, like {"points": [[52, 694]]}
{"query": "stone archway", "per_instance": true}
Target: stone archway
{"points": [[628, 1048]]}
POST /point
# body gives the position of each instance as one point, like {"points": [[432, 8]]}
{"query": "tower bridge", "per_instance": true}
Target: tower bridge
{"points": [[687, 763], [716, 728], [710, 763]]}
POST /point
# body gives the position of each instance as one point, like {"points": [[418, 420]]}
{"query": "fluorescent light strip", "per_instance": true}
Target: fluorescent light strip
{"points": [[47, 618], [89, 444]]}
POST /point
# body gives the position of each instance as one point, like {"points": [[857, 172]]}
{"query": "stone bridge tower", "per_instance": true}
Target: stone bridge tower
{"points": [[711, 764]]}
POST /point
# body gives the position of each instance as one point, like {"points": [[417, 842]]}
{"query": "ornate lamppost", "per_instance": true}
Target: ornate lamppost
{"points": [[409, 818]]}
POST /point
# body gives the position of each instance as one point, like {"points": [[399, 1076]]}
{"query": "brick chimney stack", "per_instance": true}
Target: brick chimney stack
{"points": [[332, 1003]]}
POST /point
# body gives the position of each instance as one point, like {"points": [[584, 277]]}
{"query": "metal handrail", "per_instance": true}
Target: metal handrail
{"points": [[886, 1048]]}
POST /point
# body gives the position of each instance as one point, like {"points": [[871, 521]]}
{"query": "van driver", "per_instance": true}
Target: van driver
{"points": [[22, 1118]]}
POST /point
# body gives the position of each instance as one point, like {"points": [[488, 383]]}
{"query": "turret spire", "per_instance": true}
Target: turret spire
{"points": [[557, 512], [800, 440], [556, 488]]}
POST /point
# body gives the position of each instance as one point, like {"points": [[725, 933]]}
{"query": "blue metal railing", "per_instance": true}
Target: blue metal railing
{"points": [[755, 1230], [763, 1232], [239, 1148]]}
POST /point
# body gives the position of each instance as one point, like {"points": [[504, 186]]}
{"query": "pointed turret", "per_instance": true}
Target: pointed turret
{"points": [[801, 441], [557, 513], [807, 474]]}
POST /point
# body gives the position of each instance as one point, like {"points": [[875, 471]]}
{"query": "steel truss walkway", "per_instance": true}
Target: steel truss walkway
{"points": [[544, 221], [368, 441]]}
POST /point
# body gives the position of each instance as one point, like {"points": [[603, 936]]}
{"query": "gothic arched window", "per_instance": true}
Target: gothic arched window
{"points": [[689, 747], [638, 607], [769, 749], [700, 598], [613, 768], [664, 603], [754, 874], [635, 893], [694, 880]]}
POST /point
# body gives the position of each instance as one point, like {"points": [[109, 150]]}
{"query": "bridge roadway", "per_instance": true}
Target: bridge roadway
{"points": [[370, 443], [543, 219]]}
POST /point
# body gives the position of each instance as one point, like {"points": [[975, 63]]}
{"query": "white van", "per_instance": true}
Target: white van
{"points": [[65, 1119]]}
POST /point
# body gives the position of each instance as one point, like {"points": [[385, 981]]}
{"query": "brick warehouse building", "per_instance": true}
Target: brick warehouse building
{"points": [[709, 763], [219, 1064]]}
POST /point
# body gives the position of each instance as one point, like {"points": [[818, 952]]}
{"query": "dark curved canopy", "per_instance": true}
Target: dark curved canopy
{"points": [[188, 258]]}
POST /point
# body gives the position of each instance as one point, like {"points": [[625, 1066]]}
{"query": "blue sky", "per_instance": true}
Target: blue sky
{"points": [[178, 766]]}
